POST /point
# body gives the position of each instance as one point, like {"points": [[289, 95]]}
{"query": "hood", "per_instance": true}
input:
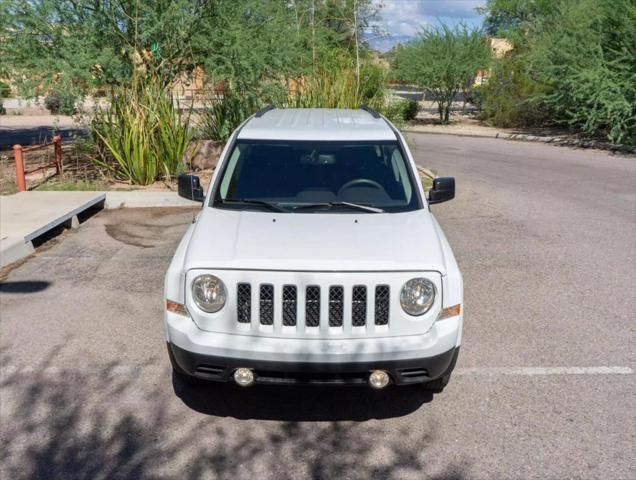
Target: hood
{"points": [[234, 239]]}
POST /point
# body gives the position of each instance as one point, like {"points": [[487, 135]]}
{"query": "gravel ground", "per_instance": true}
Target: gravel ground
{"points": [[546, 238]]}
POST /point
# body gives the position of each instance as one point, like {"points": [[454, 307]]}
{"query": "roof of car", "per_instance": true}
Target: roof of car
{"points": [[316, 124]]}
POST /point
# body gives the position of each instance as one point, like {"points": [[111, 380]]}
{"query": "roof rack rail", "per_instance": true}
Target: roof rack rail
{"points": [[264, 110], [373, 113]]}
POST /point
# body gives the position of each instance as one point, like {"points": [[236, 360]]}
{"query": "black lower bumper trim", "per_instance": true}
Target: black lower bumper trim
{"points": [[403, 372]]}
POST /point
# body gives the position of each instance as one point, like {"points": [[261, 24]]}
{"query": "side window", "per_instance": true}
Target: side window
{"points": [[229, 172]]}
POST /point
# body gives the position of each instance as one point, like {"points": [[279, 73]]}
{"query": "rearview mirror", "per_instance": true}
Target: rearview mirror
{"points": [[190, 187], [442, 191]]}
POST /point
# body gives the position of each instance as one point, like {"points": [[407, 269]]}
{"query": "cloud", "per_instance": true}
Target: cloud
{"points": [[402, 19]]}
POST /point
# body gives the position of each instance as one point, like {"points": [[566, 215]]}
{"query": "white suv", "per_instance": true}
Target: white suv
{"points": [[315, 259]]}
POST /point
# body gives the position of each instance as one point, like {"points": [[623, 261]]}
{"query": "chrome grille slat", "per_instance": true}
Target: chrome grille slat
{"points": [[382, 294], [336, 306], [312, 306], [359, 306], [266, 305], [244, 302], [290, 303]]}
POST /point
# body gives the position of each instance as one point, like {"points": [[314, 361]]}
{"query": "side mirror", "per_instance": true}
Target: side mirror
{"points": [[442, 191], [190, 187]]}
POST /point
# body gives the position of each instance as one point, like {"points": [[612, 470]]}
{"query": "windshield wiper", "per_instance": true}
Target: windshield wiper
{"points": [[329, 205], [249, 201]]}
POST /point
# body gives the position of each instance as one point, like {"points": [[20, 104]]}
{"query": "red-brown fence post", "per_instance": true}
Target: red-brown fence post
{"points": [[57, 148], [19, 168]]}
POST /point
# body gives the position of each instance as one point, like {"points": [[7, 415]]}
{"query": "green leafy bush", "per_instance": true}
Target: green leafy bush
{"points": [[574, 64], [143, 136], [509, 97], [410, 110], [399, 111], [588, 65], [61, 102], [333, 85], [223, 115], [5, 90]]}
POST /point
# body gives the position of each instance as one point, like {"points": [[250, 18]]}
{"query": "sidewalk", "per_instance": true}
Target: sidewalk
{"points": [[532, 135], [27, 215]]}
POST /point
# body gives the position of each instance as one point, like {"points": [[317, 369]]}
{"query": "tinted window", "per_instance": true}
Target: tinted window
{"points": [[295, 174]]}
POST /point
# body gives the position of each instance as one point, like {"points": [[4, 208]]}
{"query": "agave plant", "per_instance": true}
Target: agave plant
{"points": [[143, 136]]}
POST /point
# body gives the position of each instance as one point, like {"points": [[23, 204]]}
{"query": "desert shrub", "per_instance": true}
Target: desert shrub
{"points": [[223, 115], [143, 136], [399, 111], [509, 97], [61, 102], [410, 110], [588, 65], [333, 85], [5, 90], [574, 64]]}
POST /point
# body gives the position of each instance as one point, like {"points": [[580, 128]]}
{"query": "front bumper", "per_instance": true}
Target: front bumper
{"points": [[402, 372], [408, 359]]}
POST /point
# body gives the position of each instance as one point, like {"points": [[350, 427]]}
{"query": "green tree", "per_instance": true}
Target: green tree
{"points": [[88, 43], [585, 58], [573, 64], [511, 17], [442, 60]]}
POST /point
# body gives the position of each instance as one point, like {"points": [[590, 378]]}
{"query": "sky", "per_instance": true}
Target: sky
{"points": [[401, 19]]}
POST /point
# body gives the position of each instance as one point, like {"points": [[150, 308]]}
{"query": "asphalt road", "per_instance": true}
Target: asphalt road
{"points": [[545, 385]]}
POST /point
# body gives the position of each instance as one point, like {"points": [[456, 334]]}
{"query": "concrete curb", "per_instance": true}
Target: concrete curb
{"points": [[16, 243], [522, 137], [29, 215]]}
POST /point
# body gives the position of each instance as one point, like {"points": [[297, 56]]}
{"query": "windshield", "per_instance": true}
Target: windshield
{"points": [[369, 177]]}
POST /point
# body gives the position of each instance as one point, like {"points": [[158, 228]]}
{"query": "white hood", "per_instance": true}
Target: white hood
{"points": [[234, 239]]}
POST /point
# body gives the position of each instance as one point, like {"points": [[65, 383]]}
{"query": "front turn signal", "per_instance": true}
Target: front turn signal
{"points": [[177, 308], [449, 312]]}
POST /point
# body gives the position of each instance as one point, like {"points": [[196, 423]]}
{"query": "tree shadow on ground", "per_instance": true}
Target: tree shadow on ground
{"points": [[113, 421]]}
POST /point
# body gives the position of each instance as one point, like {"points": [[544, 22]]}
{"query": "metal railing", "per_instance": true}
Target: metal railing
{"points": [[21, 172]]}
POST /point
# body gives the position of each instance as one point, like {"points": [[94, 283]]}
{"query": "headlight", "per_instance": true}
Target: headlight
{"points": [[417, 296], [209, 293]]}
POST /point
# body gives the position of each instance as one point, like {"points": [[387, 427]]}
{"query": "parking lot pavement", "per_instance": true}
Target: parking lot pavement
{"points": [[544, 388]]}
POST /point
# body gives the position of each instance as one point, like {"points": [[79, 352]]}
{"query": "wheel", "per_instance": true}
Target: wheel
{"points": [[437, 385], [178, 373]]}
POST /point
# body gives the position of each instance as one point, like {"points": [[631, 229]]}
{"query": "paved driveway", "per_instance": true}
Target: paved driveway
{"points": [[546, 238]]}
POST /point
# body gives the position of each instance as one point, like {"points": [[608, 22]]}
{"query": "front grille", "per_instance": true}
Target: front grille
{"points": [[336, 306], [289, 305], [312, 306], [381, 304], [359, 306], [267, 305], [334, 314], [244, 302]]}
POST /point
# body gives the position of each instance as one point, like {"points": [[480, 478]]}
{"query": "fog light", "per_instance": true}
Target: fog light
{"points": [[244, 377], [379, 379]]}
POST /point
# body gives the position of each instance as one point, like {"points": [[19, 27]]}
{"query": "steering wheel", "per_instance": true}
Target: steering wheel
{"points": [[360, 182]]}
